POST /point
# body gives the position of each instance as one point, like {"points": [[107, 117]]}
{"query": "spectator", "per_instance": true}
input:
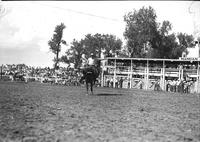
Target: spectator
{"points": [[157, 85], [121, 82], [108, 82], [111, 82], [116, 83], [167, 86]]}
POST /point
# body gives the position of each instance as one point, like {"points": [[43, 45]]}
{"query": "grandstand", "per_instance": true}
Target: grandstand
{"points": [[149, 74]]}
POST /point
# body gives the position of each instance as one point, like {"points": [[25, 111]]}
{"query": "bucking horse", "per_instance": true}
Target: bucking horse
{"points": [[90, 75]]}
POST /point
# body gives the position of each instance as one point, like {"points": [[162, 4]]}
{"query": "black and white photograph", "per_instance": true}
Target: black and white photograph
{"points": [[99, 71]]}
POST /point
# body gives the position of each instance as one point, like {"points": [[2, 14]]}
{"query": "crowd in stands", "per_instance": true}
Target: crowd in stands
{"points": [[70, 77], [65, 76]]}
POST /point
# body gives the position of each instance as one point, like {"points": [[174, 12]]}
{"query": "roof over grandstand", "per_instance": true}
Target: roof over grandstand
{"points": [[153, 59]]}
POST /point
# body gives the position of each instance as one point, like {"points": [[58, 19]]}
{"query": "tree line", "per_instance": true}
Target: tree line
{"points": [[145, 38]]}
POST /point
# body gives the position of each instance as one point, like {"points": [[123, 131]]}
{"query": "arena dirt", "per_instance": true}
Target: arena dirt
{"points": [[37, 112]]}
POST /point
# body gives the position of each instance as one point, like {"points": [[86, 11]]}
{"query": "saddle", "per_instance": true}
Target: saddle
{"points": [[89, 72], [90, 69]]}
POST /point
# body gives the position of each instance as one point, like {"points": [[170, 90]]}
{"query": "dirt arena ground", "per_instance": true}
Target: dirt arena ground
{"points": [[37, 112]]}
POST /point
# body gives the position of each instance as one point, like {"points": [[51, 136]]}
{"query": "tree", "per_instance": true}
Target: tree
{"points": [[73, 55], [148, 38], [184, 41], [92, 44], [112, 44], [55, 43], [167, 45], [97, 43], [141, 28], [65, 59]]}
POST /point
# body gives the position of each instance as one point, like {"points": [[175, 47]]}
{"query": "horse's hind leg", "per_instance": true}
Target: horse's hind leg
{"points": [[91, 87]]}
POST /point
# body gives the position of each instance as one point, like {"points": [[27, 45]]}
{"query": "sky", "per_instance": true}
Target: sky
{"points": [[27, 26]]}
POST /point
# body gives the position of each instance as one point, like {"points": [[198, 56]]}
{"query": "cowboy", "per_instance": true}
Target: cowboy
{"points": [[91, 60], [92, 64], [89, 66]]}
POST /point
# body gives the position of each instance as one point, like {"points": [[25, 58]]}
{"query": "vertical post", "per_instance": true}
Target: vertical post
{"points": [[131, 74], [147, 75], [163, 74], [114, 79], [102, 79], [181, 70], [102, 74]]}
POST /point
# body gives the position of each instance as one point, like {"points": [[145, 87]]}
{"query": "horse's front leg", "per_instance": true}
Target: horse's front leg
{"points": [[91, 87]]}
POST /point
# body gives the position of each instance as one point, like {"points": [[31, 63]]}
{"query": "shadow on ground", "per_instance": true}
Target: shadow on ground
{"points": [[109, 94]]}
